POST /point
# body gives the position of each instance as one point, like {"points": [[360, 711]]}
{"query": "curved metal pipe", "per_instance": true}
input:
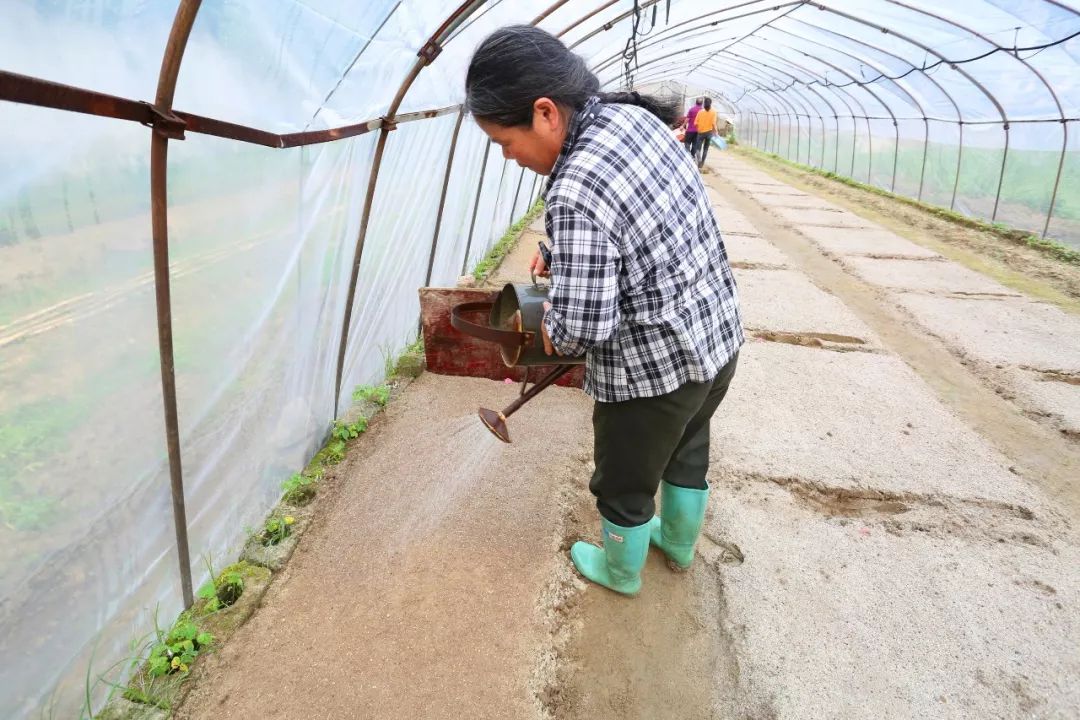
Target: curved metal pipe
{"points": [[853, 97], [788, 104], [1031, 68], [914, 100], [926, 122], [159, 220], [425, 56]]}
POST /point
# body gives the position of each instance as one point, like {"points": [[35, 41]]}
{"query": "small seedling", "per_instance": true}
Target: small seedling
{"points": [[299, 489], [347, 431], [176, 651], [221, 591], [335, 452], [276, 528], [379, 394]]}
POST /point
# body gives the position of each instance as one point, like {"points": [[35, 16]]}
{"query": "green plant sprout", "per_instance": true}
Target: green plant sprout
{"points": [[379, 394], [175, 651], [276, 528], [349, 431], [222, 591], [499, 250], [300, 489]]}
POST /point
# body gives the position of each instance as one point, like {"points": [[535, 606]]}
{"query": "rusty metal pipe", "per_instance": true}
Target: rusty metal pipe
{"points": [[425, 56], [442, 196], [476, 206], [159, 160], [358, 253]]}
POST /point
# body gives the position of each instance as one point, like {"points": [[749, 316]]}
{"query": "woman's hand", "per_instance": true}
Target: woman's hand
{"points": [[538, 267], [549, 349]]}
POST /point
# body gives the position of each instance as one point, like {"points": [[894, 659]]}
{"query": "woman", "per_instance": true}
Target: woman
{"points": [[706, 123], [640, 284]]}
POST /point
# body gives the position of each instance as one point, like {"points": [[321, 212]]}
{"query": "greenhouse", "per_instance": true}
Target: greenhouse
{"points": [[241, 469]]}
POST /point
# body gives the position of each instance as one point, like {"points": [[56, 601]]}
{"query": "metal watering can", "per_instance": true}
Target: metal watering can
{"points": [[514, 324]]}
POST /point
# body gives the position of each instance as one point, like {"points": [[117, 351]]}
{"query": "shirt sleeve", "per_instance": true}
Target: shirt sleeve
{"points": [[584, 296]]}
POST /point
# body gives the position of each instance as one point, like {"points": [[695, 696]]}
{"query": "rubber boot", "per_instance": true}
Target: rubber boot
{"points": [[618, 565], [676, 530]]}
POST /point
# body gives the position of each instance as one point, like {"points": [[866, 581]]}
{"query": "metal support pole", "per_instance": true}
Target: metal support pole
{"points": [[358, 253], [513, 205], [822, 143], [925, 152], [798, 138], [442, 197], [159, 209], [476, 206], [959, 162], [895, 157], [428, 52], [1001, 176], [869, 153], [1057, 180], [836, 150], [498, 194], [854, 142], [789, 135]]}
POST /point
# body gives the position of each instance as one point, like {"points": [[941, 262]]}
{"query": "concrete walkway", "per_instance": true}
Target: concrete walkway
{"points": [[888, 536]]}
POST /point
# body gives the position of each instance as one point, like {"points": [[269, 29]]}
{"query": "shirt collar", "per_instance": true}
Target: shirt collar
{"points": [[580, 120]]}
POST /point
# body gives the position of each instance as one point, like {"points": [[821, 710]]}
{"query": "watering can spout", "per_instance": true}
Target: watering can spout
{"points": [[515, 322], [496, 423]]}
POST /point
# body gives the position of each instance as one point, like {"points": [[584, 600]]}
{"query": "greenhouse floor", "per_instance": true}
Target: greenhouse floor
{"points": [[891, 531]]}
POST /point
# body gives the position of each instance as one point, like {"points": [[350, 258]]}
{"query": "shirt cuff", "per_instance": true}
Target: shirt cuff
{"points": [[560, 338]]}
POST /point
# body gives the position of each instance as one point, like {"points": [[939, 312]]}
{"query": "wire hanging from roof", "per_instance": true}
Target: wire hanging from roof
{"points": [[925, 69], [630, 52]]}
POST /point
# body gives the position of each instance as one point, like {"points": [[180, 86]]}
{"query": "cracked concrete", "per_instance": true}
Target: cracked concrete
{"points": [[863, 241], [785, 300], [752, 249], [908, 274]]}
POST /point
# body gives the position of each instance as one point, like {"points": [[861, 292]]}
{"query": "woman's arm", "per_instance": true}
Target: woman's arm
{"points": [[585, 282]]}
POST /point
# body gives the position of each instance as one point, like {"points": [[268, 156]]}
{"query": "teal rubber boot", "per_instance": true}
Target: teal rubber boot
{"points": [[617, 566], [676, 530]]}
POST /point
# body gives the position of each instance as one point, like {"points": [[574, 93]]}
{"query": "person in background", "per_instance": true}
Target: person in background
{"points": [[691, 127], [706, 125], [640, 285]]}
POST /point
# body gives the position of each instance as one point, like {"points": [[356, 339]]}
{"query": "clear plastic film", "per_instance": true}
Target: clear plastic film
{"points": [[935, 101]]}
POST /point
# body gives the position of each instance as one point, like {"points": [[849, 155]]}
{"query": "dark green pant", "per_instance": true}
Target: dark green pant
{"points": [[639, 442]]}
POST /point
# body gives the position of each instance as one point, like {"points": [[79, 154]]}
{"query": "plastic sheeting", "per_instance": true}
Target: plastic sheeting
{"points": [[926, 99]]}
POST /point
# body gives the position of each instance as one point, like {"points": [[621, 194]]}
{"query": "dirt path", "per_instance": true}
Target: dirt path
{"points": [[887, 536]]}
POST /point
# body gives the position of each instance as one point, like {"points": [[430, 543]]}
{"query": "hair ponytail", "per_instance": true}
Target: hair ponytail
{"points": [[666, 110], [516, 65]]}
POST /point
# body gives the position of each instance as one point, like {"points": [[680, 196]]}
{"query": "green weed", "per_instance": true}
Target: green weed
{"points": [[175, 651], [276, 528], [335, 451], [300, 489], [378, 394], [349, 431], [221, 591]]}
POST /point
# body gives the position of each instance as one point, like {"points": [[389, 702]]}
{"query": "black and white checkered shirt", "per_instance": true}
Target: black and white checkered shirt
{"points": [[640, 276]]}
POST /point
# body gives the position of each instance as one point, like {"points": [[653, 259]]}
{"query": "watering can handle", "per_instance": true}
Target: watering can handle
{"points": [[508, 338]]}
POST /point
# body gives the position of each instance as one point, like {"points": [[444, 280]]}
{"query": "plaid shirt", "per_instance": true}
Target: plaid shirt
{"points": [[640, 276]]}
